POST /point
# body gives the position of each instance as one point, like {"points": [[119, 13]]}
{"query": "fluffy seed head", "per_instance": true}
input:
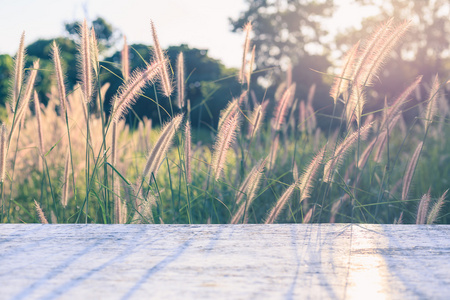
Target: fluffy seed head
{"points": [[40, 213], [341, 83], [161, 146], [224, 140], [355, 104], [273, 151], [94, 50], [125, 60], [18, 72], [85, 61], [342, 149], [24, 101], [431, 107], [247, 30], [180, 80], [410, 171], [276, 210], [256, 120], [283, 104], [371, 57], [29, 87], [370, 48], [129, 91], [250, 66], [59, 78], [249, 188], [394, 109], [306, 181], [434, 212], [231, 108], [248, 185], [423, 208], [160, 56], [382, 46]]}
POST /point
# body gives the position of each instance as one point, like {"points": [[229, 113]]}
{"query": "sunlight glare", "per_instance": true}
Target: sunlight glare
{"points": [[348, 14], [368, 273]]}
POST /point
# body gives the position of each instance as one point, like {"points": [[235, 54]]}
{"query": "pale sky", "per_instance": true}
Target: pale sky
{"points": [[199, 23]]}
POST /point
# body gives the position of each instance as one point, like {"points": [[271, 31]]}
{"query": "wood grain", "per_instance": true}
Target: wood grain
{"points": [[288, 261]]}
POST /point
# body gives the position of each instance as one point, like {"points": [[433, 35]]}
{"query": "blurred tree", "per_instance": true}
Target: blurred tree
{"points": [[285, 30], [6, 68]]}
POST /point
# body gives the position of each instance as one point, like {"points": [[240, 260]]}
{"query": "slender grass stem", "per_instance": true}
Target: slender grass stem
{"points": [[51, 189], [87, 165]]}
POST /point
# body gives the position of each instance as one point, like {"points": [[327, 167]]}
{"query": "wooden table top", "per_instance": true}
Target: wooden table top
{"points": [[284, 261]]}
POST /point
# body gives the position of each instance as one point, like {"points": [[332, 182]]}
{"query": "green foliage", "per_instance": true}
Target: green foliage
{"points": [[285, 31], [6, 68]]}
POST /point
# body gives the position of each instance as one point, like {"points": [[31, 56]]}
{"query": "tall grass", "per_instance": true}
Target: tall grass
{"points": [[87, 165]]}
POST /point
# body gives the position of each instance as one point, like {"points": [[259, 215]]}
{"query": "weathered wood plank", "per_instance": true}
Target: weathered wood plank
{"points": [[224, 261]]}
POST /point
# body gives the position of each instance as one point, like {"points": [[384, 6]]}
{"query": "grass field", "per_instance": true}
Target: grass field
{"points": [[73, 162]]}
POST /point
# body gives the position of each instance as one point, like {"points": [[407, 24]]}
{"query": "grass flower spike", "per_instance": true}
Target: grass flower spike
{"points": [[277, 209], [180, 80], [341, 83], [160, 57], [59, 79], [224, 139], [248, 188], [410, 171], [247, 30], [125, 60], [159, 151], [342, 149], [85, 61], [306, 181], [40, 213], [18, 72], [129, 91]]}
